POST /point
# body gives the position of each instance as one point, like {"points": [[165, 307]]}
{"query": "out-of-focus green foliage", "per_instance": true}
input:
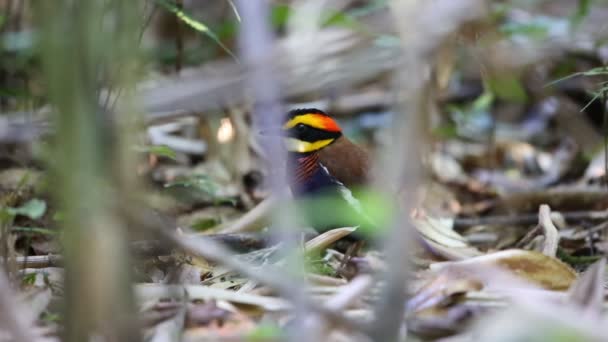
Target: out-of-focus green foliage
{"points": [[582, 11], [34, 209], [200, 187], [266, 332], [158, 150], [198, 181], [85, 45], [317, 265], [280, 14], [508, 87], [470, 119], [602, 87], [204, 224], [371, 213], [193, 23], [34, 230], [535, 29]]}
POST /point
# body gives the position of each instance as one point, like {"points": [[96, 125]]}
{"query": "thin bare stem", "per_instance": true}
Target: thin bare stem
{"points": [[417, 24], [257, 48], [551, 242]]}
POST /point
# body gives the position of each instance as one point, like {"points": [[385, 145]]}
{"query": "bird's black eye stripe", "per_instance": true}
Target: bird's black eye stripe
{"points": [[308, 133]]}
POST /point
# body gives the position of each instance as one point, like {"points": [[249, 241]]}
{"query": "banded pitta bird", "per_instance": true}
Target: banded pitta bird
{"points": [[322, 166]]}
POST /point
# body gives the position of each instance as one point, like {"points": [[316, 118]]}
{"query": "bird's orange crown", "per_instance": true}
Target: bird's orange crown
{"points": [[309, 130]]}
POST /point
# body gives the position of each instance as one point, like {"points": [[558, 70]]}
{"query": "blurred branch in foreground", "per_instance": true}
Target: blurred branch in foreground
{"points": [[420, 34], [81, 42], [258, 52], [13, 317]]}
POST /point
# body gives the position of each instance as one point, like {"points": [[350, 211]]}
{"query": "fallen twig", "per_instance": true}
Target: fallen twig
{"points": [[213, 251], [39, 261], [254, 219], [550, 231], [160, 291], [322, 241], [341, 301], [528, 219], [349, 293]]}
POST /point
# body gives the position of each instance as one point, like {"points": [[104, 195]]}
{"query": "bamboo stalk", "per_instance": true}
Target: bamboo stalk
{"points": [[75, 52]]}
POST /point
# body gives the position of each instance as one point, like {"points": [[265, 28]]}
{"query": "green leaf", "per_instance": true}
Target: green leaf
{"points": [[279, 15], [51, 317], [446, 131], [371, 215], [533, 29], [194, 24], [508, 87], [371, 8], [34, 230], [234, 10], [266, 332], [582, 10], [158, 150], [204, 224], [34, 209], [18, 42], [595, 71], [599, 71], [335, 18], [317, 265], [58, 216], [483, 102], [197, 181], [28, 279]]}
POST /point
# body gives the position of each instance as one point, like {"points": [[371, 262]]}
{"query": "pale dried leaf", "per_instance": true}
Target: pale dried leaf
{"points": [[549, 230], [588, 291], [151, 291], [537, 268], [171, 329], [324, 240]]}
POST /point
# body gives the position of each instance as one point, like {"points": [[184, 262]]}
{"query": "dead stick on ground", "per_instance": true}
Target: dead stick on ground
{"points": [[254, 219], [549, 230], [340, 301], [350, 293], [528, 219], [267, 275]]}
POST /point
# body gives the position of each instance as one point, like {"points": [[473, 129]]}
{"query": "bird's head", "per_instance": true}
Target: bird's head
{"points": [[309, 130]]}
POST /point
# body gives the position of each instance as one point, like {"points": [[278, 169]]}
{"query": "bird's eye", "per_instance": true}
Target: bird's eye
{"points": [[300, 127]]}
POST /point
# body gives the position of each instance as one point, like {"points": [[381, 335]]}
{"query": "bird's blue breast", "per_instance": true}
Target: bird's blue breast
{"points": [[319, 181]]}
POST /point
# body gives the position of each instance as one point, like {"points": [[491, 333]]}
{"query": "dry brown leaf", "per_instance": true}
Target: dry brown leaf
{"points": [[158, 291], [537, 268], [440, 239], [323, 241], [442, 290]]}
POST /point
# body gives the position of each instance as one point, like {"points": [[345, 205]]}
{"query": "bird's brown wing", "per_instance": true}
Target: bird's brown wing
{"points": [[347, 162]]}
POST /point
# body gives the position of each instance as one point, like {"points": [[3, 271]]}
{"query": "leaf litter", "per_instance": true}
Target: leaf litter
{"points": [[532, 270]]}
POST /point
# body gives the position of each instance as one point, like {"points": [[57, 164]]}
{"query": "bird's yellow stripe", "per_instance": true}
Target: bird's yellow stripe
{"points": [[300, 146], [312, 120]]}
